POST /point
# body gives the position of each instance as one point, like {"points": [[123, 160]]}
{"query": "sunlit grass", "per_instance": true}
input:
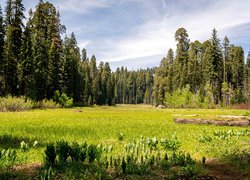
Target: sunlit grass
{"points": [[101, 125]]}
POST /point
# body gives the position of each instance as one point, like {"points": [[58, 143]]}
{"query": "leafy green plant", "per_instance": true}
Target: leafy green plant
{"points": [[75, 152], [63, 99], [83, 152], [24, 146], [204, 138], [170, 144], [94, 153], [124, 166], [50, 155], [8, 158], [62, 150], [35, 144], [188, 171], [47, 174], [120, 136], [181, 159]]}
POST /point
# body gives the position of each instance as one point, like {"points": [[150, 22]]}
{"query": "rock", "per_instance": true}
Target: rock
{"points": [[161, 107], [79, 110]]}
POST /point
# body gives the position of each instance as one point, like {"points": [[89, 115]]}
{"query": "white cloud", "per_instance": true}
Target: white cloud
{"points": [[82, 6], [84, 44], [157, 35]]}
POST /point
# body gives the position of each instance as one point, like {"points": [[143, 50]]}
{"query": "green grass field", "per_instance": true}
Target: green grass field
{"points": [[101, 125]]}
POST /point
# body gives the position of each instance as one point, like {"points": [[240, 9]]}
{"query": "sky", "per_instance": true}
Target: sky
{"points": [[138, 33]]}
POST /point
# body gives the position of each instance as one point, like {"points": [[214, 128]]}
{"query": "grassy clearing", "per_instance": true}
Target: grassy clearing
{"points": [[102, 125]]}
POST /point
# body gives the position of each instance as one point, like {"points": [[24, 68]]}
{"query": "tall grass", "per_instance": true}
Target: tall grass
{"points": [[11, 103], [46, 104], [14, 104]]}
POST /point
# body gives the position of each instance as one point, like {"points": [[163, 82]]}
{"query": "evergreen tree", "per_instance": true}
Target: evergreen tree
{"points": [[94, 80], [13, 43], [237, 59], [106, 88], [2, 34], [215, 66], [72, 69], [41, 46], [56, 55], [194, 73], [247, 81], [26, 79], [225, 58], [180, 65]]}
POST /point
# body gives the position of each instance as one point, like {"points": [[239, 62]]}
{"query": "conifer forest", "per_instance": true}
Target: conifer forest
{"points": [[38, 58]]}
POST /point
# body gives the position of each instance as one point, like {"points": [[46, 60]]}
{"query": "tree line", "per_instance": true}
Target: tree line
{"points": [[36, 61], [210, 72]]}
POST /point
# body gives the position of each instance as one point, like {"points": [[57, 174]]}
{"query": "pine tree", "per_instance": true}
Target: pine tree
{"points": [[214, 69], [225, 58], [180, 65], [41, 46], [194, 73], [106, 75], [26, 79], [55, 55], [12, 47], [247, 81], [237, 59], [2, 34], [94, 80]]}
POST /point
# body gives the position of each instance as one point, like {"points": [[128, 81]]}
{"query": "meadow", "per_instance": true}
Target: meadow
{"points": [[105, 125]]}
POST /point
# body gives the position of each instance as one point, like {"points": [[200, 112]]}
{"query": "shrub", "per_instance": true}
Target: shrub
{"points": [[10, 103], [63, 99], [46, 104]]}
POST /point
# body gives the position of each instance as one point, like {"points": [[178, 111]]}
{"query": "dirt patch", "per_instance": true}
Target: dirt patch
{"points": [[228, 122], [222, 171], [27, 170]]}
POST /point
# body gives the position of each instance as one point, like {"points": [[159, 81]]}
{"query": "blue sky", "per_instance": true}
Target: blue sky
{"points": [[138, 33]]}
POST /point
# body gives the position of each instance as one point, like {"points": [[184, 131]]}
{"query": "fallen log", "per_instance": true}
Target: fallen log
{"points": [[238, 122]]}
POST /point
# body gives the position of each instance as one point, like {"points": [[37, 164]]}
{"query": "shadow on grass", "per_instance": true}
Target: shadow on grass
{"points": [[9, 141], [234, 165], [239, 159]]}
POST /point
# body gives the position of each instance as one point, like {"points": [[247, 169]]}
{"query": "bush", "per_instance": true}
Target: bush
{"points": [[46, 104], [63, 99], [10, 103]]}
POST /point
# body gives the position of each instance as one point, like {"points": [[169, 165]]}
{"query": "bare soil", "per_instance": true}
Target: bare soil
{"points": [[223, 171]]}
